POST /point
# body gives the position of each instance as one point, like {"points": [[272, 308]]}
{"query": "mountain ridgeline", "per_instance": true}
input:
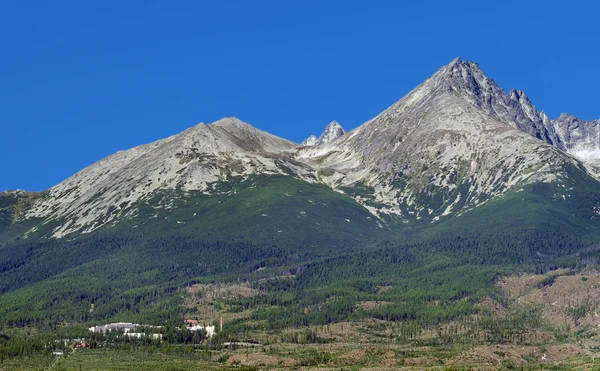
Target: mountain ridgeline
{"points": [[457, 172]]}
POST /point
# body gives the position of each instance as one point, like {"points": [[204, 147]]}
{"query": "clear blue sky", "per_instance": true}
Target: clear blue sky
{"points": [[81, 80]]}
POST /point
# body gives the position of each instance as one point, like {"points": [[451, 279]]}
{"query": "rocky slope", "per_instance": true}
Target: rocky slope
{"points": [[579, 138], [190, 161]]}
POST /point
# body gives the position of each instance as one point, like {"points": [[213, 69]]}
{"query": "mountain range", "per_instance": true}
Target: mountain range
{"points": [[456, 157], [453, 143]]}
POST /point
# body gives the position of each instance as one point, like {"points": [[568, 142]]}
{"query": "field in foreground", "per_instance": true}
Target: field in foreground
{"points": [[360, 355]]}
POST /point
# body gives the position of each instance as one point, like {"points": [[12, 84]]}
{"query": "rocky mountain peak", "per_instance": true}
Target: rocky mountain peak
{"points": [[467, 81], [333, 131], [566, 117], [468, 78], [310, 141]]}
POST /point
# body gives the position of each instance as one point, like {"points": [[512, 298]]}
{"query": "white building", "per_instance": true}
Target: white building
{"points": [[210, 330], [124, 326]]}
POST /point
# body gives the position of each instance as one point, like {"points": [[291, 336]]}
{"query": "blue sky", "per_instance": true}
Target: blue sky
{"points": [[81, 80]]}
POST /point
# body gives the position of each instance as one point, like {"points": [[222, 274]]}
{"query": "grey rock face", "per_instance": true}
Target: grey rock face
{"points": [[577, 137], [580, 138], [467, 80]]}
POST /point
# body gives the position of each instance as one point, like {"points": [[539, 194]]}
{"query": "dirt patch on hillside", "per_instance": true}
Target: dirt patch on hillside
{"points": [[496, 356], [492, 306], [564, 351], [419, 361], [354, 355], [372, 356], [342, 331], [517, 286], [564, 298], [260, 359], [205, 302], [209, 293]]}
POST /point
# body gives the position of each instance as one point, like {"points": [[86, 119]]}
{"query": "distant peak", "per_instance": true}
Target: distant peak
{"points": [[566, 116], [310, 141], [334, 125], [464, 78], [458, 63], [333, 131]]}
